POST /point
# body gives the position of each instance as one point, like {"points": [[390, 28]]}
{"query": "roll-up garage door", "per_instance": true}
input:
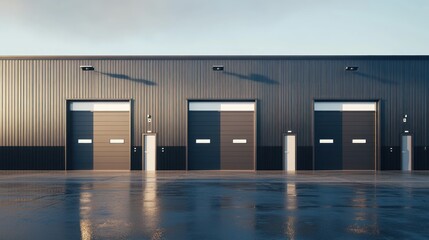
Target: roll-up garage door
{"points": [[221, 136], [345, 135], [99, 136]]}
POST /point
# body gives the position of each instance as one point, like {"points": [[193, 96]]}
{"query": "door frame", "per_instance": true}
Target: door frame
{"points": [[143, 154], [412, 148], [67, 126], [255, 128], [284, 155], [377, 163]]}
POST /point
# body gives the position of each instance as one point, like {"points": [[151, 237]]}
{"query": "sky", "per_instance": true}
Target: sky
{"points": [[220, 27]]}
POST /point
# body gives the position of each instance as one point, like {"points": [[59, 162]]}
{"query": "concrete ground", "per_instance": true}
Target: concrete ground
{"points": [[214, 205]]}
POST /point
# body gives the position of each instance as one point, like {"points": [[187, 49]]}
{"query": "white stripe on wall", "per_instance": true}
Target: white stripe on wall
{"points": [[84, 141], [345, 106], [239, 140], [222, 106], [326, 141], [100, 106], [204, 141]]}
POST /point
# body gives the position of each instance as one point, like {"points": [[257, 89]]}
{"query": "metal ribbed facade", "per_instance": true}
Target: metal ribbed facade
{"points": [[34, 92]]}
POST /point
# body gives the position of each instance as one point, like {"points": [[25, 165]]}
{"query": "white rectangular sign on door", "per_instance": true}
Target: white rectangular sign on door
{"points": [[324, 141]]}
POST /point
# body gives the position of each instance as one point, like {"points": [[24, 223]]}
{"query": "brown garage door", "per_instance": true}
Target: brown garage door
{"points": [[237, 140], [99, 136]]}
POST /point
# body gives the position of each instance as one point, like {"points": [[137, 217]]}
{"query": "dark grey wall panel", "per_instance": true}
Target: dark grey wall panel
{"points": [[33, 91], [32, 158], [421, 158]]}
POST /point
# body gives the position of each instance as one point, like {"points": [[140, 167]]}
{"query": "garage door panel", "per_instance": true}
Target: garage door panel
{"points": [[110, 153], [330, 161], [236, 157], [358, 115], [81, 154], [110, 148], [106, 147], [239, 147], [359, 125], [82, 146], [237, 125], [109, 114], [207, 163], [82, 117], [111, 166], [107, 138], [75, 123], [85, 129], [112, 159], [359, 128], [81, 164], [228, 146], [111, 128], [203, 156], [197, 119], [232, 164], [204, 131], [237, 129], [237, 116], [111, 124], [229, 137], [114, 134], [328, 127], [231, 117]]}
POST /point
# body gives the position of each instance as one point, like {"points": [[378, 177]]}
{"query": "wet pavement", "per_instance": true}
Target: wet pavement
{"points": [[214, 205]]}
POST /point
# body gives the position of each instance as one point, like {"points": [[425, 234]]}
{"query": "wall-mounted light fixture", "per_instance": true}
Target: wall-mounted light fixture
{"points": [[149, 123], [352, 69], [218, 68], [87, 68]]}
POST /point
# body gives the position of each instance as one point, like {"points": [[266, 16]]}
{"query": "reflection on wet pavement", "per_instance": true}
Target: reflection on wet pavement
{"points": [[214, 205]]}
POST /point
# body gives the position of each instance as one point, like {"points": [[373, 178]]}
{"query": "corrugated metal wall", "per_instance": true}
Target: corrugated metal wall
{"points": [[34, 91]]}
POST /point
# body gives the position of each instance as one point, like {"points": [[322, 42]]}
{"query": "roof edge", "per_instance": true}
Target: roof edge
{"points": [[206, 57]]}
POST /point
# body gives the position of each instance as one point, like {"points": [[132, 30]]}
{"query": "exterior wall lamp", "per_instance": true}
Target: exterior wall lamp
{"points": [[87, 68], [351, 69]]}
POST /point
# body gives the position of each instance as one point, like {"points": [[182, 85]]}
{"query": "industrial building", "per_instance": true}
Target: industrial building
{"points": [[214, 112]]}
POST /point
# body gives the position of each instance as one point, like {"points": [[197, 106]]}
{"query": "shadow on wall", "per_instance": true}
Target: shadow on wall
{"points": [[380, 79], [253, 77], [126, 77]]}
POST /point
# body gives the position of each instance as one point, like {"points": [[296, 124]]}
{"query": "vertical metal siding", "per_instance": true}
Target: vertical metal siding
{"points": [[33, 94]]}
